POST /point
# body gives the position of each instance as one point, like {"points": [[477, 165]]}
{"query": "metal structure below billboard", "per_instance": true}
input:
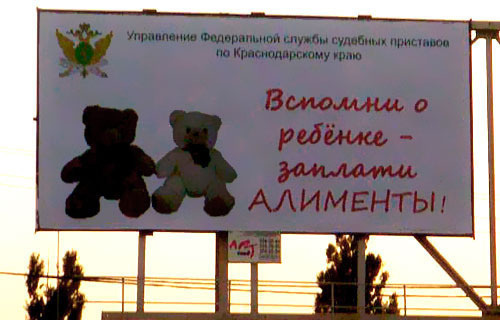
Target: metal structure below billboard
{"points": [[215, 123]]}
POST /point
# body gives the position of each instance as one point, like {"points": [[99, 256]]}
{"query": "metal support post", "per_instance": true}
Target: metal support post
{"points": [[452, 273], [332, 288], [491, 161], [48, 269], [229, 296], [123, 294], [361, 274], [404, 300], [57, 266], [254, 288], [221, 273], [141, 270], [489, 31]]}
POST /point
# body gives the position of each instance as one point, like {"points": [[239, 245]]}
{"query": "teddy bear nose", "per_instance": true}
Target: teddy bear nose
{"points": [[111, 136]]}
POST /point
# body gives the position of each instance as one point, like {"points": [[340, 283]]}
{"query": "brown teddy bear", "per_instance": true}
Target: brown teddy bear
{"points": [[194, 168], [112, 168]]}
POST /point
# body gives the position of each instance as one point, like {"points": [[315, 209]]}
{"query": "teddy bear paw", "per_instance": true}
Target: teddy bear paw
{"points": [[164, 204], [134, 203], [80, 208], [217, 207]]}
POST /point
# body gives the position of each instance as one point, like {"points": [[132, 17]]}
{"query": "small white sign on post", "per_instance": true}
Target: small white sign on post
{"points": [[260, 247]]}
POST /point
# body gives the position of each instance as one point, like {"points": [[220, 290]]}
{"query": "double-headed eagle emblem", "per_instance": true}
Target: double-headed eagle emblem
{"points": [[86, 56]]}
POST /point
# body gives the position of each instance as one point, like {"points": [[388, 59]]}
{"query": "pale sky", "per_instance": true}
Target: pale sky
{"points": [[192, 255]]}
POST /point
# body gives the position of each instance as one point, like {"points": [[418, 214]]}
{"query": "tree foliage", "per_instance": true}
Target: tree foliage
{"points": [[342, 268], [63, 302]]}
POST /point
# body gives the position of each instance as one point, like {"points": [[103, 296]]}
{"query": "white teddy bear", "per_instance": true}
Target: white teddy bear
{"points": [[194, 167]]}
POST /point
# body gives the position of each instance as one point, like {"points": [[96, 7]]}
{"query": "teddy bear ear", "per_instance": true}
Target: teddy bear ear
{"points": [[175, 116], [88, 114], [130, 116], [216, 122]]}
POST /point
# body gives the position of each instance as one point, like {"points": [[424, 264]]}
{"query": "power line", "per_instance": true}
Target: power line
{"points": [[16, 186], [209, 284], [18, 151], [17, 176]]}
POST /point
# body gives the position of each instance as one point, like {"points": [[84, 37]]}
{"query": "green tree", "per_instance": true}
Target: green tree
{"points": [[342, 268], [63, 302]]}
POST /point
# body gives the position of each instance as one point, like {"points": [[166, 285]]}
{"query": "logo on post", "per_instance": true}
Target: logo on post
{"points": [[84, 55]]}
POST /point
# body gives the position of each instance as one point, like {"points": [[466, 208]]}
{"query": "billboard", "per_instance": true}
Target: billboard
{"points": [[190, 122]]}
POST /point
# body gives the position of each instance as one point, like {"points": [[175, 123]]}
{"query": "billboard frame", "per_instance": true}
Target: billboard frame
{"points": [[258, 15]]}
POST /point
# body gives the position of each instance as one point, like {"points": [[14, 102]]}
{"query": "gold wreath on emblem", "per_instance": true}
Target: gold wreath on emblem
{"points": [[82, 56]]}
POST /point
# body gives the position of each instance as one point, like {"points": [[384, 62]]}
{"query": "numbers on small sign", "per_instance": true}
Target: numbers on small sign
{"points": [[263, 246]]}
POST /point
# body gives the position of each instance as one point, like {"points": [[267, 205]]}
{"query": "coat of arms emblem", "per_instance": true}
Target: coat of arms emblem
{"points": [[84, 55]]}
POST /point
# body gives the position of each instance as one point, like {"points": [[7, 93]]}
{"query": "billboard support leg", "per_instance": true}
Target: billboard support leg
{"points": [[489, 33], [123, 294], [491, 161], [254, 288], [141, 269], [221, 274], [361, 284], [332, 293], [478, 301], [57, 266]]}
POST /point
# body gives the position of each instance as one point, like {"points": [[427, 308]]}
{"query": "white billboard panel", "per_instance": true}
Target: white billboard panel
{"points": [[204, 123]]}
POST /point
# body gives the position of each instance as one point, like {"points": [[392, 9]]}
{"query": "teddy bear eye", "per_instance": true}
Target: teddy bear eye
{"points": [[188, 130]]}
